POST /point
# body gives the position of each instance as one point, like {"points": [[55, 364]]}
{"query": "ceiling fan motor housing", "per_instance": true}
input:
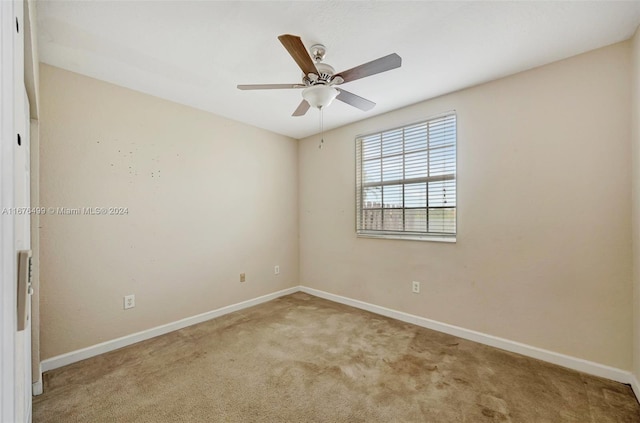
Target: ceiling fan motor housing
{"points": [[325, 74]]}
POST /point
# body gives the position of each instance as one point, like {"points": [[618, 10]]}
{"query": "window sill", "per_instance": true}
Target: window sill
{"points": [[408, 237]]}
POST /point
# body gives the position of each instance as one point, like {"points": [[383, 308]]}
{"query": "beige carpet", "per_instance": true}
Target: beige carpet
{"points": [[303, 359]]}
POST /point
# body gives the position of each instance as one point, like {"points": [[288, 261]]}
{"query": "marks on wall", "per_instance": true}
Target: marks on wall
{"points": [[133, 162]]}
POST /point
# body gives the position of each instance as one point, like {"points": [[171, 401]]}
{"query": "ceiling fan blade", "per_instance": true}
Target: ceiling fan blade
{"points": [[382, 64], [355, 100], [269, 86], [298, 51], [302, 109]]}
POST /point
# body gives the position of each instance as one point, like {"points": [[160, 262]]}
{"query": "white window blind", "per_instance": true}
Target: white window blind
{"points": [[406, 180]]}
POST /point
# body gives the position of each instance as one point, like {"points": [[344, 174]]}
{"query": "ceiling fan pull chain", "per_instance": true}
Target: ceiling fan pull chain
{"points": [[321, 128]]}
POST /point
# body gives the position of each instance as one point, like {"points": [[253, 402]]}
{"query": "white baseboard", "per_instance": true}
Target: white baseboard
{"points": [[114, 344], [570, 362], [563, 360], [37, 386], [635, 385]]}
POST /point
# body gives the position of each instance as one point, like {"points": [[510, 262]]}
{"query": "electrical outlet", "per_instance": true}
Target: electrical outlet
{"points": [[129, 301], [415, 287], [276, 269], [242, 277]]}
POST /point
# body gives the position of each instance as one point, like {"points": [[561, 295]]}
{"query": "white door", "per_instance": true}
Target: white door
{"points": [[15, 346], [8, 289], [23, 242]]}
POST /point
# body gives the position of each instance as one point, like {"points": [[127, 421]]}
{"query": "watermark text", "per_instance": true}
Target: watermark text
{"points": [[65, 211]]}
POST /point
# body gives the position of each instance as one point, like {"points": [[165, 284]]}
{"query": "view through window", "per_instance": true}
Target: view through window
{"points": [[406, 180]]}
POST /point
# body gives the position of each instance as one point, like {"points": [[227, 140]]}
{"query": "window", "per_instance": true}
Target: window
{"points": [[406, 181]]}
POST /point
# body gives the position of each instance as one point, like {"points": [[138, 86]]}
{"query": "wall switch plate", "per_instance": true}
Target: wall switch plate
{"points": [[415, 287], [242, 277], [276, 269], [129, 301]]}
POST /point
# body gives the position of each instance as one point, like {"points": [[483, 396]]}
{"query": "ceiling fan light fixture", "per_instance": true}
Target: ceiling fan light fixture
{"points": [[319, 96]]}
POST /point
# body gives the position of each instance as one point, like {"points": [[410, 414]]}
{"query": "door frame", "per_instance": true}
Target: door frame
{"points": [[8, 290]]}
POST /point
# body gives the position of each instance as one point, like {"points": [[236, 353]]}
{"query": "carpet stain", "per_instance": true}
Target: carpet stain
{"points": [[304, 359]]}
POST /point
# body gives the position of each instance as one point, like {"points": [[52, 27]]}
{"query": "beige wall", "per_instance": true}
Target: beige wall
{"points": [[208, 198], [544, 231], [543, 254], [635, 142]]}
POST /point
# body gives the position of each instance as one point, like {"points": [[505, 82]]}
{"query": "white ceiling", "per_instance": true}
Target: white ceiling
{"points": [[196, 52]]}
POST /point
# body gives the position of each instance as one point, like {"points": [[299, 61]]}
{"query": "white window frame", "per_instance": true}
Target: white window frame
{"points": [[405, 235]]}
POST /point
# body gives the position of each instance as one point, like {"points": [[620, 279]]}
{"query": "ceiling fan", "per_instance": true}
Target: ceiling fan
{"points": [[319, 79]]}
